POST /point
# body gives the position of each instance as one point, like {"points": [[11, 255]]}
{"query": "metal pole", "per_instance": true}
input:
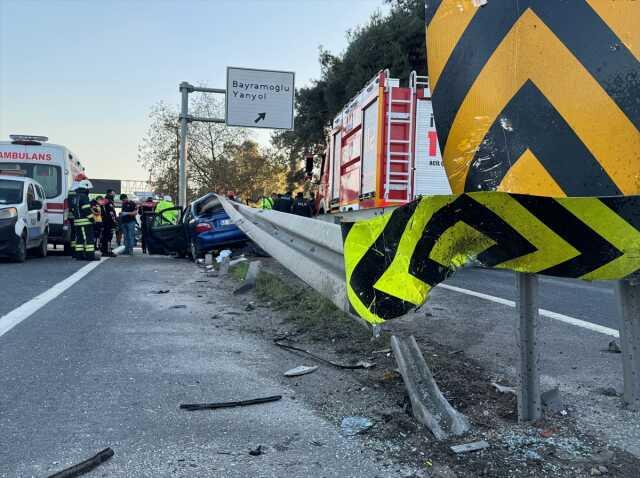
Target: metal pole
{"points": [[529, 406], [628, 292], [184, 130]]}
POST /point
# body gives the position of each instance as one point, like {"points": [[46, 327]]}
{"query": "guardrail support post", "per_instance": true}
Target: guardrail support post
{"points": [[529, 402], [428, 404], [628, 292]]}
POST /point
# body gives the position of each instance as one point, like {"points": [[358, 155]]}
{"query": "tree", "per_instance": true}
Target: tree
{"points": [[395, 41], [219, 158]]}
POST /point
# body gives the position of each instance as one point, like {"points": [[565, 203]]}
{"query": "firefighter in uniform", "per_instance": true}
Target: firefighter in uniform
{"points": [[83, 223]]}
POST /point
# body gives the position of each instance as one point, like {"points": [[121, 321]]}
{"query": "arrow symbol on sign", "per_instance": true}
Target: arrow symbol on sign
{"points": [[261, 116]]}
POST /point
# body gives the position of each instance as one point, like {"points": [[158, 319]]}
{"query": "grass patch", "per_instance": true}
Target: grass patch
{"points": [[239, 271], [311, 312]]}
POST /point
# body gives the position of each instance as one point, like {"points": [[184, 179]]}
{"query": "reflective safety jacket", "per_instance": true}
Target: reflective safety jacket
{"points": [[169, 216], [267, 203], [83, 215]]}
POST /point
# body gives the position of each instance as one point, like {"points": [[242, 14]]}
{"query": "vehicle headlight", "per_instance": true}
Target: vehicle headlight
{"points": [[8, 213]]}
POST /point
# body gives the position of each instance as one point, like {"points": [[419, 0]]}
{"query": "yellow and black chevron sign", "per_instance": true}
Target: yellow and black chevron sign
{"points": [[393, 261], [537, 96]]}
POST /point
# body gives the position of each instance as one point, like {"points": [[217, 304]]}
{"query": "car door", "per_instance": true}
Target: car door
{"points": [[44, 217], [165, 237], [34, 217]]}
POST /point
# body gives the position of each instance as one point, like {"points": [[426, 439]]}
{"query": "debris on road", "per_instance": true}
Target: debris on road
{"points": [[161, 291], [609, 392], [352, 426], [552, 401], [179, 306], [239, 403], [250, 307], [223, 255], [614, 348], [383, 351], [469, 447], [250, 279], [503, 389], [256, 451], [359, 364], [300, 370], [85, 466]]}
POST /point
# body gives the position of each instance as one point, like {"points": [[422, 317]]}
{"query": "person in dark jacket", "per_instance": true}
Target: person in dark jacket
{"points": [[146, 213], [301, 206], [284, 203], [109, 222], [83, 222]]}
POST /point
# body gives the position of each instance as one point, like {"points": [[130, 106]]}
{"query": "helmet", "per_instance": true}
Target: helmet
{"points": [[167, 198], [84, 184]]}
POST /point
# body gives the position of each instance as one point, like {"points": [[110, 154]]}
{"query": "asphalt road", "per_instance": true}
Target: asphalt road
{"points": [[590, 301], [21, 282], [107, 364]]}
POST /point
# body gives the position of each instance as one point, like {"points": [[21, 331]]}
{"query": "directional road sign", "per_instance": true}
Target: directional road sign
{"points": [[260, 98]]}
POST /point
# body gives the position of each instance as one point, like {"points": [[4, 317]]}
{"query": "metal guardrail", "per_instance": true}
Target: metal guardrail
{"points": [[310, 249], [313, 250]]}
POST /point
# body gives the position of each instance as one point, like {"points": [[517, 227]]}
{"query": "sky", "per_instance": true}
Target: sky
{"points": [[86, 73]]}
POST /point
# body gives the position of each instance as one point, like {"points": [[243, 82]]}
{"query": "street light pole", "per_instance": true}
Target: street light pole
{"points": [[184, 129]]}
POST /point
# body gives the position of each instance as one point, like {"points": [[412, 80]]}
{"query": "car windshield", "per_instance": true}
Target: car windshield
{"points": [[47, 175], [10, 191]]}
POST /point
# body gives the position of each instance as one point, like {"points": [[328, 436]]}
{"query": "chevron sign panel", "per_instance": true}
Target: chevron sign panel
{"points": [[537, 96], [393, 261]]}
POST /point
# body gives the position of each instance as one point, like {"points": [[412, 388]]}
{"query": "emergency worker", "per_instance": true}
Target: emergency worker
{"points": [[83, 222], [170, 217], [97, 219], [109, 221], [284, 203], [301, 207], [267, 202], [71, 217], [146, 213]]}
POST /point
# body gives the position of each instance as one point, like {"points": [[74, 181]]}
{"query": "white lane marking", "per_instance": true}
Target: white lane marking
{"points": [[13, 318], [543, 312]]}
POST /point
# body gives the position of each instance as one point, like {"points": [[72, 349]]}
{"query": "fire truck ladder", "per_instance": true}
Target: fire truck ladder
{"points": [[399, 180]]}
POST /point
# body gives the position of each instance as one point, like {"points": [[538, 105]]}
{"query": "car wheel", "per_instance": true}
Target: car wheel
{"points": [[41, 251], [21, 253], [196, 253]]}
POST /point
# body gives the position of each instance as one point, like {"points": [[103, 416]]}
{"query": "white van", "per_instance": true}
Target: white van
{"points": [[51, 165], [24, 223]]}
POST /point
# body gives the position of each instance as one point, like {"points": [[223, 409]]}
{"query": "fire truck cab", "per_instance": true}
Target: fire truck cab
{"points": [[383, 150]]}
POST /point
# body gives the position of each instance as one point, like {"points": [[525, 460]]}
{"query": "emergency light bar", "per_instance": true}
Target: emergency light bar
{"points": [[28, 139]]}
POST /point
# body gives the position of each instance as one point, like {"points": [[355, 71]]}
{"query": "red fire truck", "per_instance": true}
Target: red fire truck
{"points": [[383, 150]]}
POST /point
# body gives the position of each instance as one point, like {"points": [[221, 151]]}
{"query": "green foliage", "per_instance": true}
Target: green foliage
{"points": [[395, 41]]}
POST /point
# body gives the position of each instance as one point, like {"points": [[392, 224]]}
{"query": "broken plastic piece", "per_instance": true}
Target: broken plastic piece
{"points": [[352, 426], [360, 364], [85, 466], [301, 370], [240, 403], [467, 447]]}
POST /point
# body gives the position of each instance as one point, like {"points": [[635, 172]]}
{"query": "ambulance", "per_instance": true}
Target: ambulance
{"points": [[383, 149], [53, 166]]}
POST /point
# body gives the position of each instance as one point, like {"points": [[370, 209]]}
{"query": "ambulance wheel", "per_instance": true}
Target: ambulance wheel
{"points": [[41, 250], [21, 251]]}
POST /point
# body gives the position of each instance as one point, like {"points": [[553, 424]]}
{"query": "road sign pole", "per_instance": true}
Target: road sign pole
{"points": [[184, 131], [529, 406], [628, 292]]}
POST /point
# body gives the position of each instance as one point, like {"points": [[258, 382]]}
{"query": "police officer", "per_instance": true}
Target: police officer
{"points": [[284, 203], [301, 206], [83, 222]]}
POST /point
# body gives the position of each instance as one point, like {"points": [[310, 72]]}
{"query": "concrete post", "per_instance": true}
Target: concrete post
{"points": [[529, 402], [628, 292], [184, 130]]}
